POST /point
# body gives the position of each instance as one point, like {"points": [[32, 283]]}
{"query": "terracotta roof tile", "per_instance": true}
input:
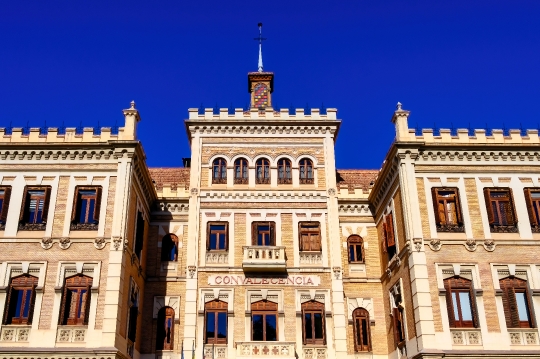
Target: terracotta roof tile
{"points": [[170, 176], [356, 178]]}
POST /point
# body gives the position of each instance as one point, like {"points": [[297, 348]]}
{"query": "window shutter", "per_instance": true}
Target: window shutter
{"points": [[97, 206], [87, 304], [208, 226], [227, 238], [272, 225], [390, 229], [62, 318], [22, 216], [395, 319], [5, 206], [449, 303], [317, 243], [489, 208], [76, 204], [254, 234], [436, 208], [458, 208], [384, 248], [532, 214], [304, 326], [32, 302], [47, 203], [132, 330], [512, 303], [511, 213], [7, 310], [474, 308]]}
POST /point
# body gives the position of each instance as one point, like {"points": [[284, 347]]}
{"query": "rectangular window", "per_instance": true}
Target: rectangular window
{"points": [[313, 323], [460, 303], [20, 300], [447, 209], [310, 236], [264, 321], [5, 194], [35, 208], [85, 213], [501, 211], [263, 233], [76, 300], [218, 236], [355, 245], [139, 235], [516, 303], [532, 197], [388, 236]]}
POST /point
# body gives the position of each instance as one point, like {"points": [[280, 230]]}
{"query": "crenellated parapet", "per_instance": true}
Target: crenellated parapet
{"points": [[480, 136], [268, 114]]}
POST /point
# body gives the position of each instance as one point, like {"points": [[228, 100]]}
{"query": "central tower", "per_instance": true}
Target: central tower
{"points": [[260, 83]]}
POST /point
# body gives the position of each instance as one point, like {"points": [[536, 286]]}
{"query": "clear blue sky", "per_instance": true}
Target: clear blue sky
{"points": [[449, 63]]}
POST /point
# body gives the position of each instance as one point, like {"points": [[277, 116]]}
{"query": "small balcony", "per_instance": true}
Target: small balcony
{"points": [[264, 259], [15, 333], [283, 350], [71, 334]]}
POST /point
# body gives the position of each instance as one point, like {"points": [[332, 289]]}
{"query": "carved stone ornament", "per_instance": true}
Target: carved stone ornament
{"points": [[435, 244], [489, 245], [99, 242], [194, 191], [46, 242], [191, 271], [337, 272], [64, 242], [332, 192], [388, 272], [398, 261], [470, 244], [116, 242], [417, 244], [125, 245]]}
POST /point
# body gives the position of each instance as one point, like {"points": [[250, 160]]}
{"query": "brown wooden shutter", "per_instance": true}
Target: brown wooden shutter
{"points": [[458, 208], [254, 233], [489, 207], [61, 318], [8, 305], [5, 205], [318, 244], [513, 308], [511, 214], [227, 234], [87, 305], [384, 247], [395, 319], [390, 229], [449, 303], [24, 205], [75, 205], [530, 209], [46, 203], [474, 308], [436, 208], [97, 206], [32, 302], [208, 234], [272, 233]]}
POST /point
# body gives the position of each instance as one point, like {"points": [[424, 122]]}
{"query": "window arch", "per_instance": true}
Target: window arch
{"points": [[460, 303], [306, 171], [165, 329], [516, 303], [76, 300], [20, 300], [219, 170], [361, 329], [284, 171], [264, 323], [169, 248], [313, 323], [355, 244], [262, 169], [215, 322], [241, 171]]}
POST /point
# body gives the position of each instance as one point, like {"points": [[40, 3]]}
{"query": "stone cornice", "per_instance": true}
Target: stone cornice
{"points": [[263, 196]]}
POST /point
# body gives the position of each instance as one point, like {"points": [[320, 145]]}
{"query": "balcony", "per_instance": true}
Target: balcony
{"points": [[71, 334], [265, 350], [466, 336], [263, 259], [525, 336], [15, 333]]}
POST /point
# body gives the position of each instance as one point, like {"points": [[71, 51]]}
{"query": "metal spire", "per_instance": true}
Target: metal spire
{"points": [[260, 39]]}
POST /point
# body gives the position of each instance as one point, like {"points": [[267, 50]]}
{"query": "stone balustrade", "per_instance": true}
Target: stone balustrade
{"points": [[264, 258], [15, 333], [217, 257], [315, 353], [523, 336], [311, 258], [217, 351], [462, 336], [71, 334], [265, 349]]}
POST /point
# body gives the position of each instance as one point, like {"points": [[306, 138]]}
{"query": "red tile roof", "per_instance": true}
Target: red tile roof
{"points": [[176, 177], [356, 178]]}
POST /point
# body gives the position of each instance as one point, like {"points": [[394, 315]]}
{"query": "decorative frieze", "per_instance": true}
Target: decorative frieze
{"points": [[265, 349]]}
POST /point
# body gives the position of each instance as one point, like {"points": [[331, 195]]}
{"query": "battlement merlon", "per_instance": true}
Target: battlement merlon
{"points": [[462, 136], [266, 114]]}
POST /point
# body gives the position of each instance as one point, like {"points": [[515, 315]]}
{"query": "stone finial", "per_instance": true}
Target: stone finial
{"points": [[132, 118], [400, 120], [132, 103], [398, 106]]}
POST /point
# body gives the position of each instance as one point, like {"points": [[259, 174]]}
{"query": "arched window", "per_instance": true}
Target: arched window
{"points": [[169, 248], [262, 168], [76, 300], [460, 303], [215, 322], [306, 171], [516, 303], [356, 249], [20, 300], [284, 171], [264, 316], [241, 171], [313, 323], [165, 329], [219, 171], [362, 336]]}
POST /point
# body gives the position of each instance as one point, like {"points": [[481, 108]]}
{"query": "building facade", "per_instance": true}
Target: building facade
{"points": [[260, 248]]}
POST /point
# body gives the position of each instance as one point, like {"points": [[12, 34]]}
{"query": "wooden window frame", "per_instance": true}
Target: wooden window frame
{"points": [[311, 244], [262, 164], [284, 177], [165, 252], [90, 224], [165, 314], [76, 283], [23, 283], [533, 208], [361, 315], [304, 174], [313, 307], [26, 224], [440, 209], [221, 177], [241, 164], [458, 285], [4, 207], [139, 235], [389, 237], [510, 286], [225, 233], [265, 308], [216, 307], [510, 214], [255, 233], [357, 244]]}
